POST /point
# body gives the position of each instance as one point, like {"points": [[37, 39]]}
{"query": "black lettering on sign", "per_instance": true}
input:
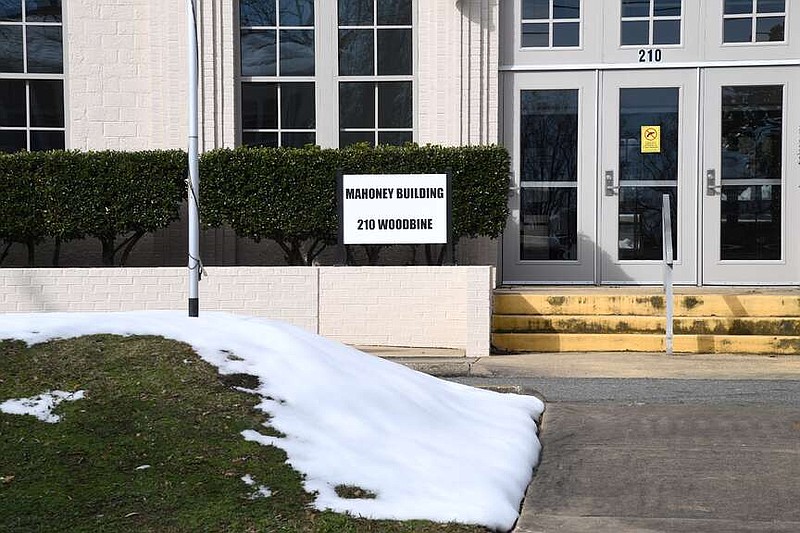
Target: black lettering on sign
{"points": [[369, 193], [392, 224], [366, 224], [421, 193]]}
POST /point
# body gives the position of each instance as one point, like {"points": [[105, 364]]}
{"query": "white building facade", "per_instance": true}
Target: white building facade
{"points": [[605, 106]]}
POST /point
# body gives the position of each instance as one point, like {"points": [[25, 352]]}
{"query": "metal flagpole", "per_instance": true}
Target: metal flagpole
{"points": [[194, 172]]}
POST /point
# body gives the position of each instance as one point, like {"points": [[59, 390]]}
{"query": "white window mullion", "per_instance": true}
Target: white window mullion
{"points": [[377, 104], [327, 73], [27, 115], [279, 93]]}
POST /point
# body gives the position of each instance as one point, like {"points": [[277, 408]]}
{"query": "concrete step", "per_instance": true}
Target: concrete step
{"points": [[777, 326], [644, 342], [614, 303]]}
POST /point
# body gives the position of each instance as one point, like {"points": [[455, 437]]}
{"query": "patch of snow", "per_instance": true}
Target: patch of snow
{"points": [[41, 406], [261, 490], [428, 448], [143, 467]]}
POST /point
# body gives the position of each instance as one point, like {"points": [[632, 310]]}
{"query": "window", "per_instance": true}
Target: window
{"points": [[549, 175], [650, 22], [326, 73], [551, 23], [375, 72], [277, 72], [749, 21], [31, 75]]}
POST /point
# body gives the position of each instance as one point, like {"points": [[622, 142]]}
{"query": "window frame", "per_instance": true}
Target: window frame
{"points": [[326, 77], [376, 79], [27, 78], [715, 49], [279, 80], [753, 17], [551, 21], [651, 19]]}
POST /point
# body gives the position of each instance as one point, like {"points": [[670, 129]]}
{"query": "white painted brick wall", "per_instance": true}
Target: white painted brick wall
{"points": [[457, 72], [126, 73], [424, 307], [407, 306]]}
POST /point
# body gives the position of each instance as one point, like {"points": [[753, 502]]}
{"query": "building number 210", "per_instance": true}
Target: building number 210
{"points": [[650, 56]]}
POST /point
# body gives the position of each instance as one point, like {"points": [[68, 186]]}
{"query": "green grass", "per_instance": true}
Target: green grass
{"points": [[150, 401]]}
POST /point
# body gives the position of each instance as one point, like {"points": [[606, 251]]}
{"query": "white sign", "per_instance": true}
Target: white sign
{"points": [[394, 209]]}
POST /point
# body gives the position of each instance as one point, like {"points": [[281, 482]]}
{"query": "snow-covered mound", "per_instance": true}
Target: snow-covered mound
{"points": [[429, 449]]}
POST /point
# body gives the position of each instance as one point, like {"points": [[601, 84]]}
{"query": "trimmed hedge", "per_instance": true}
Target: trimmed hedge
{"points": [[288, 195], [72, 195], [283, 194], [22, 206]]}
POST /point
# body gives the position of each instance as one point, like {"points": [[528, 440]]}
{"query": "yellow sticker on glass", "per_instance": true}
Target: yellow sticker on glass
{"points": [[651, 139]]}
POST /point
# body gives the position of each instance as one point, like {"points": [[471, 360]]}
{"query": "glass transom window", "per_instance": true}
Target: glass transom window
{"points": [[31, 75], [754, 21], [278, 69], [551, 23], [650, 22]]}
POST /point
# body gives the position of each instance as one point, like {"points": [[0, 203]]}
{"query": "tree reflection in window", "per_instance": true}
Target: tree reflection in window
{"points": [[549, 175]]}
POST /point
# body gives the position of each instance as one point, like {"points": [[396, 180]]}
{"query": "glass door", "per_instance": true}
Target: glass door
{"points": [[751, 176], [648, 147], [550, 129]]}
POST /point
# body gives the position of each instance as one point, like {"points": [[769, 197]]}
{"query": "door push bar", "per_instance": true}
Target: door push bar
{"points": [[610, 185]]}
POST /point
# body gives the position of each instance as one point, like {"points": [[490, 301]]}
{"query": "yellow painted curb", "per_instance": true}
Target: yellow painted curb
{"points": [[780, 326], [690, 305], [741, 344]]}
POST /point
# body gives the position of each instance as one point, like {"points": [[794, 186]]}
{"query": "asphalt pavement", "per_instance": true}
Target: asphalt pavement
{"points": [[655, 443]]}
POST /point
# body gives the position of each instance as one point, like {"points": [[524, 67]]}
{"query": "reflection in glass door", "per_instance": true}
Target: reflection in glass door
{"points": [[752, 161], [648, 168], [549, 175], [648, 145], [551, 129], [747, 171]]}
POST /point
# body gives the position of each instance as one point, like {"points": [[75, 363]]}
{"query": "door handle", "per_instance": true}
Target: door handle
{"points": [[712, 189], [610, 185]]}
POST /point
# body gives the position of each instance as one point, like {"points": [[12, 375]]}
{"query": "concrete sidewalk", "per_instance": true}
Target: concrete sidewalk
{"points": [[605, 365], [630, 461], [666, 468]]}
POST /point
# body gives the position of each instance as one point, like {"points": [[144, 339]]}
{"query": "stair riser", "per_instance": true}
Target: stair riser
{"points": [[646, 324], [743, 344], [698, 305]]}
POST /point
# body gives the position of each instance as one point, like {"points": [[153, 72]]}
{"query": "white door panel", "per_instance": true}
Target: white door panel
{"points": [[648, 149], [751, 176], [550, 127]]}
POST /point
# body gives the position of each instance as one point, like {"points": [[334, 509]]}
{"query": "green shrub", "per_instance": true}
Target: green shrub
{"points": [[288, 195], [22, 210], [125, 195], [284, 194], [106, 195]]}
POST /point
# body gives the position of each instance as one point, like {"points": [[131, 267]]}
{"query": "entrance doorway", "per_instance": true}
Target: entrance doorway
{"points": [[594, 152], [751, 176]]}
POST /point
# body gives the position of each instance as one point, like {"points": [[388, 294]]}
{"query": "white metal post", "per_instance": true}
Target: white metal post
{"points": [[666, 224], [194, 172]]}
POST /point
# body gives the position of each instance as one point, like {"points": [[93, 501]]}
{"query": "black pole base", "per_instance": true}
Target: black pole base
{"points": [[194, 307]]}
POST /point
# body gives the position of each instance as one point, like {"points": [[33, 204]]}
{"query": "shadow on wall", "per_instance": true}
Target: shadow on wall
{"points": [[222, 247], [472, 10], [606, 270]]}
